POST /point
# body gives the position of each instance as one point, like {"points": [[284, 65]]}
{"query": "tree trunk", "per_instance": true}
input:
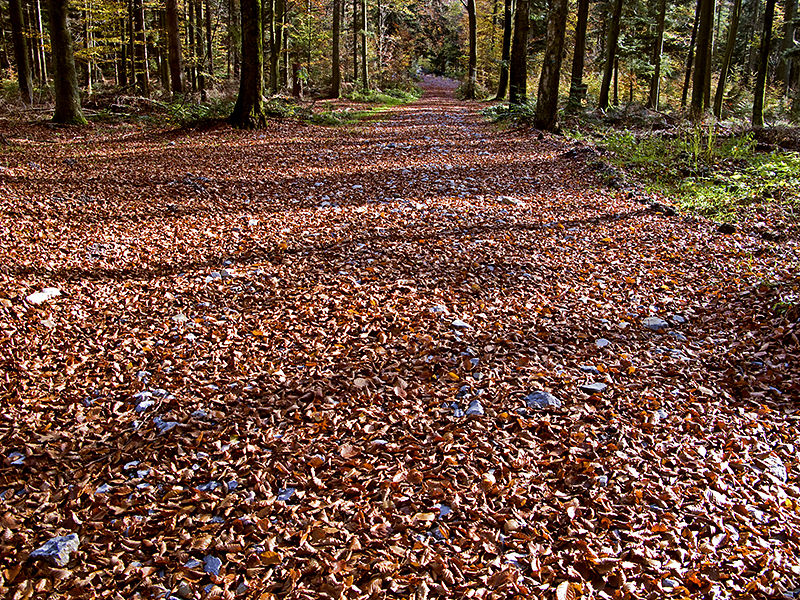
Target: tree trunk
{"points": [[209, 45], [65, 79], [690, 57], [364, 73], [763, 65], [249, 110], [611, 54], [472, 63], [336, 63], [658, 46], [577, 91], [41, 56], [276, 45], [704, 26], [140, 49], [21, 52], [174, 47], [785, 65], [355, 42], [518, 63], [199, 53], [726, 59], [505, 53], [547, 98], [709, 62]]}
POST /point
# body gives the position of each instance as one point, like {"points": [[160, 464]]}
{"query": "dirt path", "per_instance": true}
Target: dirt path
{"points": [[266, 344]]}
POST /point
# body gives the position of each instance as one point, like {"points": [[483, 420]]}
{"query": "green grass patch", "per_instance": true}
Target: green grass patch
{"points": [[512, 114], [387, 97]]}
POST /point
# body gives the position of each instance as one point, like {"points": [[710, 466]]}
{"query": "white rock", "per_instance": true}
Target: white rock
{"points": [[43, 296]]}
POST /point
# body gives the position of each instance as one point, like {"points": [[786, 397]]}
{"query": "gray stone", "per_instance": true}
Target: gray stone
{"points": [[589, 369], [655, 323], [602, 343], [459, 324], [57, 551], [285, 495], [542, 400], [212, 565], [593, 388], [475, 408]]}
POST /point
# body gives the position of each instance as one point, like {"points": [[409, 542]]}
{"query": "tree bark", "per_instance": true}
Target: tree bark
{"points": [[505, 52], [355, 42], [704, 26], [65, 79], [690, 57], [730, 44], [336, 63], [249, 110], [518, 63], [763, 65], [577, 91], [140, 49], [472, 62], [276, 45], [658, 46], [209, 44], [611, 54], [785, 65], [364, 66], [546, 117], [199, 52], [21, 52], [174, 47]]}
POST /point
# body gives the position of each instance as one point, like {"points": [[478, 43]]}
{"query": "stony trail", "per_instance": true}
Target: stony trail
{"points": [[418, 357]]}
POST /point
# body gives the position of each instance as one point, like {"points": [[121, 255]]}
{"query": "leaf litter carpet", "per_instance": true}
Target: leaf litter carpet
{"points": [[417, 358]]}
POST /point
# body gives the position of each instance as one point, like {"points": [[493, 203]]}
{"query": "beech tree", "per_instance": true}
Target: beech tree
{"points": [[472, 62], [763, 65], [21, 52], [577, 90], [174, 47], [702, 56], [547, 98], [611, 54], [658, 46], [733, 28], [248, 112], [518, 63], [65, 79]]}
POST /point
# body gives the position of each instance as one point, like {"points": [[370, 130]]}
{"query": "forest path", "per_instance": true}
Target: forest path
{"points": [[419, 355]]}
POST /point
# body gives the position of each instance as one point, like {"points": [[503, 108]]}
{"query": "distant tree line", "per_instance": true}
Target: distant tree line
{"points": [[704, 56]]}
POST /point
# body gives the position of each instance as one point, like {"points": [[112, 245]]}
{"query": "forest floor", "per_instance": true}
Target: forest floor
{"points": [[418, 357]]}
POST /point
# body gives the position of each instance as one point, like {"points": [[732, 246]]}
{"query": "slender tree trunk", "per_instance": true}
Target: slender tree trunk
{"points": [[40, 50], [140, 49], [658, 46], [611, 54], [730, 44], [763, 65], [547, 97], [174, 47], [709, 63], [785, 65], [163, 52], [276, 45], [518, 63], [285, 54], [702, 55], [249, 109], [190, 45], [65, 79], [472, 63], [505, 53], [122, 67], [364, 64], [615, 100], [21, 52], [209, 43], [199, 52], [336, 64], [5, 61], [577, 91], [355, 42], [690, 57]]}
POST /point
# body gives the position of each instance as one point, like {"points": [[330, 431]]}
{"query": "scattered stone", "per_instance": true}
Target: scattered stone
{"points": [[226, 274], [212, 565], [58, 550], [459, 324], [475, 408], [286, 494], [678, 336], [143, 406], [444, 510], [726, 228], [439, 309], [43, 296], [510, 526], [192, 563], [679, 319], [774, 466], [669, 584], [457, 412], [655, 323], [103, 489], [164, 426], [602, 480], [589, 369], [17, 458], [593, 388], [542, 400], [602, 343], [509, 201], [184, 591], [208, 487]]}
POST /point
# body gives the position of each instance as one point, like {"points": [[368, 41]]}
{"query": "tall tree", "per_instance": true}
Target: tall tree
{"points": [[505, 52], [577, 90], [546, 117], [658, 46], [199, 53], [702, 56], [336, 59], [140, 49], [730, 44], [174, 47], [21, 52], [784, 72], [65, 79], [518, 62], [611, 54], [763, 65], [472, 62], [690, 57], [249, 109], [364, 70], [276, 43]]}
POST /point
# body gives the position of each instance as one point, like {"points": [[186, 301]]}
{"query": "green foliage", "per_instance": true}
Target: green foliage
{"points": [[388, 97], [187, 113], [513, 114], [716, 177], [481, 92]]}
